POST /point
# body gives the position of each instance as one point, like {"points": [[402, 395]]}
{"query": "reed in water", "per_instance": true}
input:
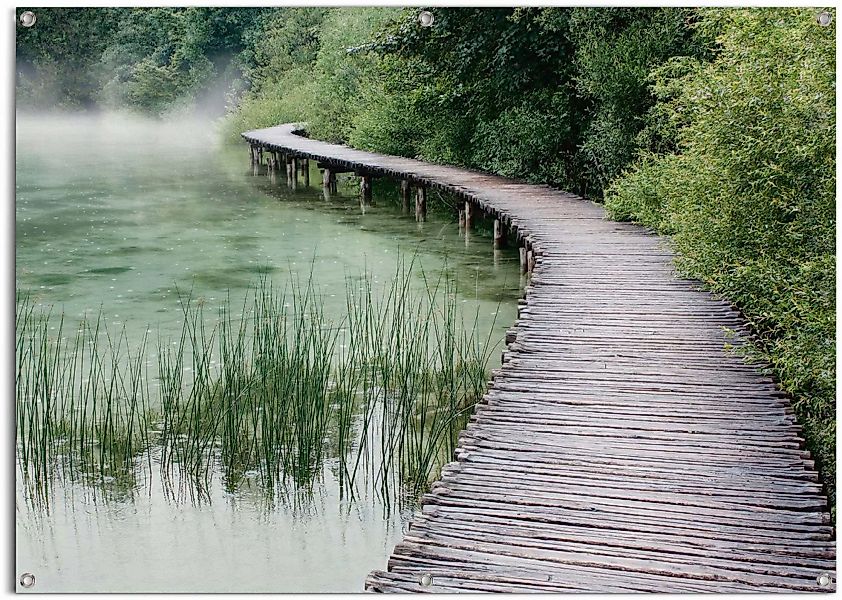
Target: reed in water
{"points": [[275, 389]]}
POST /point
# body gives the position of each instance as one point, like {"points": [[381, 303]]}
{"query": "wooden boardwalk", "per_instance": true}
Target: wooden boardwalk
{"points": [[620, 448]]}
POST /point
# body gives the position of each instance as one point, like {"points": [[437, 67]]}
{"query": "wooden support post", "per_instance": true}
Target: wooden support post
{"points": [[530, 261], [468, 214], [498, 234], [292, 179], [365, 189], [421, 204], [251, 154], [461, 219], [305, 171], [295, 168], [260, 155], [405, 195], [523, 264], [329, 180]]}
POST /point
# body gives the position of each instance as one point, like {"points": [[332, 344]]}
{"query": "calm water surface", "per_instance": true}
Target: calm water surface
{"points": [[119, 214]]}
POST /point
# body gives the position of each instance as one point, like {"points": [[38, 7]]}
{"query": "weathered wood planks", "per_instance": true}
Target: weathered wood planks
{"points": [[621, 447]]}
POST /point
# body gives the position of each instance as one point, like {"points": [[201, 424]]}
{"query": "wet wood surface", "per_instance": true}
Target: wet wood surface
{"points": [[623, 446]]}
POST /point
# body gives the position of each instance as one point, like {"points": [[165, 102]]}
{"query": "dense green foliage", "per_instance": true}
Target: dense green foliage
{"points": [[148, 59], [749, 197], [713, 126]]}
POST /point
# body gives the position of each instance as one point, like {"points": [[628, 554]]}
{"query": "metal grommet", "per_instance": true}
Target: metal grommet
{"points": [[426, 18], [824, 580], [426, 580], [27, 18], [27, 580], [824, 18]]}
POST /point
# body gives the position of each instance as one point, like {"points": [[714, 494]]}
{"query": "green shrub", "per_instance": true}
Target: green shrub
{"points": [[387, 123], [286, 100], [343, 75], [615, 50], [526, 142]]}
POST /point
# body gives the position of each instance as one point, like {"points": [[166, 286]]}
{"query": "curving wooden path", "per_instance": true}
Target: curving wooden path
{"points": [[620, 448]]}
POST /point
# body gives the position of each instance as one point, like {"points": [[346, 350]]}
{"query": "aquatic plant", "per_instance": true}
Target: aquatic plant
{"points": [[82, 399], [274, 390]]}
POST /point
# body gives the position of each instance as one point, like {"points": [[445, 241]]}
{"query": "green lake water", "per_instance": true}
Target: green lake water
{"points": [[121, 215]]}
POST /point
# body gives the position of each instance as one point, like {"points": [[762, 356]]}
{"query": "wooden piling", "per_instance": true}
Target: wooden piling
{"points": [[498, 234], [305, 171], [292, 179], [328, 180], [461, 219], [468, 214], [365, 189], [421, 204], [530, 261], [405, 190], [523, 263]]}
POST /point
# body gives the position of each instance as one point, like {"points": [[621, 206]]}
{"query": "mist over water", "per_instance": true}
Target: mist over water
{"points": [[119, 213]]}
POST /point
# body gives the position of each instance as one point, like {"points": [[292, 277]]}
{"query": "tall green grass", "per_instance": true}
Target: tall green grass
{"points": [[271, 390], [82, 399]]}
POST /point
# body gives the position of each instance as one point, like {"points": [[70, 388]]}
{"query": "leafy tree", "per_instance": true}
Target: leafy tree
{"points": [[143, 58], [342, 75], [616, 49], [56, 61]]}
